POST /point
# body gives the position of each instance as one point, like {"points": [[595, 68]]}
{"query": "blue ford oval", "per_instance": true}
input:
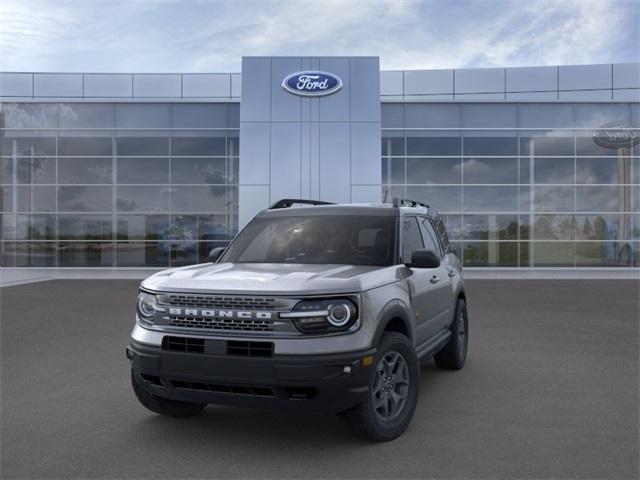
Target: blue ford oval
{"points": [[312, 84]]}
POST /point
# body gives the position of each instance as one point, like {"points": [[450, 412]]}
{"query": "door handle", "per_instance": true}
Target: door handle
{"points": [[435, 279], [452, 273]]}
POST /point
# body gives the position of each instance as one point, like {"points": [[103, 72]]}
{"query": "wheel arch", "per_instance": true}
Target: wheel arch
{"points": [[395, 318]]}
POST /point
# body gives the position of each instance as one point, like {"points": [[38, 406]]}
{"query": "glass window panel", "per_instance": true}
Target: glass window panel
{"points": [[183, 253], [142, 146], [443, 199], [86, 115], [432, 115], [198, 146], [456, 247], [604, 226], [600, 198], [85, 199], [433, 146], [391, 192], [36, 199], [142, 170], [386, 167], [553, 170], [544, 146], [200, 170], [208, 115], [490, 199], [585, 146], [79, 254], [141, 254], [490, 170], [143, 199], [233, 145], [635, 170], [490, 227], [147, 115], [489, 115], [6, 171], [85, 227], [29, 254], [526, 165], [411, 238], [634, 231], [203, 199], [489, 146], [392, 115], [605, 254], [233, 115], [603, 170], [554, 227], [552, 254], [434, 170], [214, 227], [392, 146], [84, 146], [6, 199], [598, 114], [453, 224], [85, 170], [204, 248], [36, 170], [29, 227], [525, 226], [553, 199], [490, 254], [142, 227], [397, 170], [183, 227], [544, 115], [29, 146], [30, 115]]}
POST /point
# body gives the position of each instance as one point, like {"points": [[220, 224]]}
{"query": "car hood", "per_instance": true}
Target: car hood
{"points": [[271, 278]]}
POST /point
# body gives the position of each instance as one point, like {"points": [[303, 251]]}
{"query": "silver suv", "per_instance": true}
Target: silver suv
{"points": [[314, 306]]}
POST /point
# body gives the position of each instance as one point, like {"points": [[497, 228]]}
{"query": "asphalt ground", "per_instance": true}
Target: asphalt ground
{"points": [[550, 390]]}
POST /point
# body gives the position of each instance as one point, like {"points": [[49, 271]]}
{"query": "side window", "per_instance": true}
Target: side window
{"points": [[444, 238], [411, 238], [429, 235]]}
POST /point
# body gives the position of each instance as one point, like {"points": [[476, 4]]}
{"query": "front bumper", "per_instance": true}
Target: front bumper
{"points": [[316, 383]]}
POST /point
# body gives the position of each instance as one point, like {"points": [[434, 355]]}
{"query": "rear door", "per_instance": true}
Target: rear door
{"points": [[443, 286], [421, 284]]}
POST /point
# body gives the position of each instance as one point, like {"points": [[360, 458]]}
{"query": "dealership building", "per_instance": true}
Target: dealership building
{"points": [[531, 168]]}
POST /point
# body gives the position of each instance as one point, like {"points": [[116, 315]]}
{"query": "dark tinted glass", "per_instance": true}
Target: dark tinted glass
{"points": [[503, 146], [316, 239], [429, 236], [198, 146], [490, 170], [143, 170], [85, 227], [200, 170], [145, 146], [85, 170], [29, 146], [546, 146], [411, 238], [84, 146], [36, 170], [141, 254], [434, 146], [434, 170], [143, 199]]}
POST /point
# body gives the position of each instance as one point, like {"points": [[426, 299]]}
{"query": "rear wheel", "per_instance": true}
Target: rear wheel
{"points": [[393, 392], [164, 406], [454, 353]]}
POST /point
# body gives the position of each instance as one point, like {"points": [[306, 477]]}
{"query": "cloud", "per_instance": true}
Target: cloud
{"points": [[144, 36]]}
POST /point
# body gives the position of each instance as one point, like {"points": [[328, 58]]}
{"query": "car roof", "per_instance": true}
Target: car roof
{"points": [[374, 209]]}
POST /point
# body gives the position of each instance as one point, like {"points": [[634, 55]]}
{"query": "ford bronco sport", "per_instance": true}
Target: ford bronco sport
{"points": [[313, 306]]}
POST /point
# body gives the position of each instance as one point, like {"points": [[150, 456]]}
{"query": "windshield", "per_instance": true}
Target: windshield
{"points": [[320, 239]]}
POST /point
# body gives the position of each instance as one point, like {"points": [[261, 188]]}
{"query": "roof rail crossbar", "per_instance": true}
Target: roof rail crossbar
{"points": [[400, 202], [288, 202]]}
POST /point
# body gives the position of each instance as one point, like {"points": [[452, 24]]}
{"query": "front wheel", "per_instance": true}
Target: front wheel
{"points": [[393, 392], [454, 353]]}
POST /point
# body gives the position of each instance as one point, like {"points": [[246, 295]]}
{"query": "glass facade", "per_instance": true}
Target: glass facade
{"points": [[117, 184], [519, 185]]}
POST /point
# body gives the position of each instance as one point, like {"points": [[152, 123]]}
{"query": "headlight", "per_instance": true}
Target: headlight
{"points": [[323, 315], [147, 306]]}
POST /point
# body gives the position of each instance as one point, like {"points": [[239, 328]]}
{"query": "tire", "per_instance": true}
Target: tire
{"points": [[454, 353], [368, 419], [164, 406]]}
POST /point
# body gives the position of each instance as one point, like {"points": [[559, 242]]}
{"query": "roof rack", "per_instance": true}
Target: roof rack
{"points": [[288, 202], [406, 202]]}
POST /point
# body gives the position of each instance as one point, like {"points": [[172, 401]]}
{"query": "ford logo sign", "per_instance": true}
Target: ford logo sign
{"points": [[312, 84], [617, 135]]}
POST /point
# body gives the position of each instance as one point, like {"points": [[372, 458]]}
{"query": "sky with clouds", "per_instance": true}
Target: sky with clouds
{"points": [[212, 36]]}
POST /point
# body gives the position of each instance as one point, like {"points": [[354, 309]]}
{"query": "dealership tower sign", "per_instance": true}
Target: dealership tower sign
{"points": [[617, 135], [312, 84]]}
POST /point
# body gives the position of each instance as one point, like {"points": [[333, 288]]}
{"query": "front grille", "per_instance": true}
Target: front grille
{"points": [[221, 302], [183, 344], [236, 324], [250, 349], [218, 388]]}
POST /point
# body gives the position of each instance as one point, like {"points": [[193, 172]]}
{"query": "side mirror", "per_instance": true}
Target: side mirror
{"points": [[424, 259], [214, 254]]}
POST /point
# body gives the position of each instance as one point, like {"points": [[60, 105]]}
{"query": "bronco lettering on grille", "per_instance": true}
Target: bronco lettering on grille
{"points": [[242, 314]]}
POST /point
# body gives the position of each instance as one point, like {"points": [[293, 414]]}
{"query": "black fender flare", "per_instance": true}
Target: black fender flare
{"points": [[393, 309]]}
